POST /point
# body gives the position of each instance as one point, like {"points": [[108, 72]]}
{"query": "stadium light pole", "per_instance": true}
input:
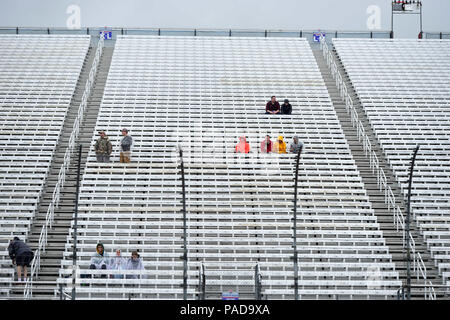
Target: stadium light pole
{"points": [[295, 226], [75, 226], [185, 257], [408, 220]]}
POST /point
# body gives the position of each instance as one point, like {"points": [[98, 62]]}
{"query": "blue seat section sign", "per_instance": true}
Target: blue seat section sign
{"points": [[107, 35], [230, 295], [317, 36]]}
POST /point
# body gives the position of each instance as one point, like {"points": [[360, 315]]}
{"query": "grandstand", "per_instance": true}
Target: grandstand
{"points": [[201, 93]]}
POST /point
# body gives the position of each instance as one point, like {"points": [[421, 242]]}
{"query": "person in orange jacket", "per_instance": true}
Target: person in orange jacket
{"points": [[243, 146], [279, 146]]}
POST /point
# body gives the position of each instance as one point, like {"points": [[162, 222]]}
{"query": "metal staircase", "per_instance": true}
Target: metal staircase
{"points": [[45, 284]]}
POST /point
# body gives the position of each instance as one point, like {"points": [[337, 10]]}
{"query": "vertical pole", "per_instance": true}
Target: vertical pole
{"points": [[295, 227], [257, 283], [392, 20], [421, 29], [75, 226], [408, 221], [184, 228]]}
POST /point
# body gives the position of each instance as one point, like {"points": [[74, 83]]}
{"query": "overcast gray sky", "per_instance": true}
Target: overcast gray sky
{"points": [[223, 14]]}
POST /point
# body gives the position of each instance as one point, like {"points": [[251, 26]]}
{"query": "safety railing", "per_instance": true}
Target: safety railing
{"points": [[43, 237], [310, 35], [399, 220], [430, 292], [437, 35]]}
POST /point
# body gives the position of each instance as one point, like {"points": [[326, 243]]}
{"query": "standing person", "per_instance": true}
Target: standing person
{"points": [[295, 145], [118, 263], [103, 147], [273, 106], [125, 146], [134, 263], [266, 145], [243, 146], [279, 146], [286, 107], [21, 255]]}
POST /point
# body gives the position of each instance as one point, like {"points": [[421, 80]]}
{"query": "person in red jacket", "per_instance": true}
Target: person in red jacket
{"points": [[242, 146], [273, 106], [266, 145]]}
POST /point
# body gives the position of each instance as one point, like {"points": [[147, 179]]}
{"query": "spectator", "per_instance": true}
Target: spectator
{"points": [[279, 146], [21, 255], [266, 145], [286, 108], [125, 146], [242, 146], [295, 146], [118, 263], [103, 147], [273, 107], [134, 263], [100, 260]]}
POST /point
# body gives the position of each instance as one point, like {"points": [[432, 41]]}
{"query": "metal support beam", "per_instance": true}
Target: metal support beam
{"points": [[295, 226], [185, 251], [408, 221], [75, 225]]}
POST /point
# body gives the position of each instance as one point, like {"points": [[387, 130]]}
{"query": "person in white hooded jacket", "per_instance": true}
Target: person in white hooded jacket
{"points": [[118, 263], [99, 261], [135, 263]]}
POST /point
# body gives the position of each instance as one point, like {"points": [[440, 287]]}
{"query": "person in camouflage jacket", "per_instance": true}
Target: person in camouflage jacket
{"points": [[103, 147]]}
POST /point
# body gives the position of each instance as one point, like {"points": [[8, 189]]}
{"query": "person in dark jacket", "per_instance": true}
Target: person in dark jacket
{"points": [[273, 106], [125, 146], [286, 107], [21, 255]]}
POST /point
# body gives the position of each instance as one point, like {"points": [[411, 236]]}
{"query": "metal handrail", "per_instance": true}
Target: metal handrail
{"points": [[43, 237], [429, 290], [399, 220]]}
